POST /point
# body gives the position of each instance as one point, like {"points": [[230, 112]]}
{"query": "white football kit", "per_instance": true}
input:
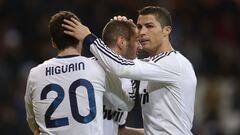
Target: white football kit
{"points": [[112, 117], [64, 96], [168, 106]]}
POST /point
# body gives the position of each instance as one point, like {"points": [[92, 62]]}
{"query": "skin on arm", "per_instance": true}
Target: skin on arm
{"points": [[36, 132], [130, 131]]}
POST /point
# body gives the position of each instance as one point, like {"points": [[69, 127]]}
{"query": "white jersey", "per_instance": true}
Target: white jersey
{"points": [[112, 117], [168, 108], [64, 96]]}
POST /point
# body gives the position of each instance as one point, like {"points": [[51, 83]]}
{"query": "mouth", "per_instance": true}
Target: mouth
{"points": [[144, 41]]}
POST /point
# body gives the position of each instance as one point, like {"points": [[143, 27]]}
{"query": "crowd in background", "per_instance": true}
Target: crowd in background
{"points": [[205, 31]]}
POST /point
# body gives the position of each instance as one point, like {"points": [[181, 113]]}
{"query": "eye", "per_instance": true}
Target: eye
{"points": [[149, 26], [139, 26]]}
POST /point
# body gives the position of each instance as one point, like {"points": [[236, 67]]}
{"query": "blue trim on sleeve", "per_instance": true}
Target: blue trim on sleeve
{"points": [[88, 40], [108, 52], [92, 39]]}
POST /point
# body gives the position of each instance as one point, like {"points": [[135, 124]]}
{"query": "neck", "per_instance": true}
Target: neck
{"points": [[116, 50], [165, 47], [69, 51]]}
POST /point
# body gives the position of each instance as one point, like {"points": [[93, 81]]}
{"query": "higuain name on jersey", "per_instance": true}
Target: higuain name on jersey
{"points": [[53, 70]]}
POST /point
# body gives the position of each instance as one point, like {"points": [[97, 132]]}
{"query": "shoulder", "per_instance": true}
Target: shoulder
{"points": [[93, 58], [164, 56], [168, 60], [40, 66], [35, 71], [95, 64], [88, 61]]}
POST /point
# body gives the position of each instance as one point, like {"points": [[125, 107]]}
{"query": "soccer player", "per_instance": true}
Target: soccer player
{"points": [[120, 37], [168, 107], [64, 95]]}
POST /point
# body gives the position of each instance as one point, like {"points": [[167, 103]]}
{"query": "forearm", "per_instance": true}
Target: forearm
{"points": [[29, 111], [32, 124], [130, 131], [36, 132], [132, 69], [116, 95], [110, 60]]}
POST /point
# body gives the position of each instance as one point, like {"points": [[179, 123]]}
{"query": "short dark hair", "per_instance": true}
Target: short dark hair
{"points": [[114, 28], [161, 14], [62, 40]]}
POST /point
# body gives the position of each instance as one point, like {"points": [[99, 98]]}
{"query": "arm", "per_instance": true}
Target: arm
{"points": [[130, 131], [36, 132], [132, 69], [116, 95], [29, 108]]}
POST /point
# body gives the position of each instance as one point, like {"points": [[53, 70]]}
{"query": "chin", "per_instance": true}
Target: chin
{"points": [[145, 47]]}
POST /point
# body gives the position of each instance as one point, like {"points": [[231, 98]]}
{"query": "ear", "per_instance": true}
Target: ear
{"points": [[167, 30], [121, 42], [53, 43]]}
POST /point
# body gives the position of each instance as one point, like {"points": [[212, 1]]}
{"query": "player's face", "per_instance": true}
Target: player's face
{"points": [[150, 33], [133, 47]]}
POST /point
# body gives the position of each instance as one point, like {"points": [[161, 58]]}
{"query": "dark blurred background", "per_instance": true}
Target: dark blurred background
{"points": [[205, 31]]}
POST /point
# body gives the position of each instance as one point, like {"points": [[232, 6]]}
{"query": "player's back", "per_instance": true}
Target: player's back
{"points": [[67, 96]]}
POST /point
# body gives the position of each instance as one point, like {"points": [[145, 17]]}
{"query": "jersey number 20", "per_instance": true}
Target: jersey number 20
{"points": [[58, 122]]}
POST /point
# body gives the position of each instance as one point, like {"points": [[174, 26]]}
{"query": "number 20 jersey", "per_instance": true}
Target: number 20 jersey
{"points": [[64, 96]]}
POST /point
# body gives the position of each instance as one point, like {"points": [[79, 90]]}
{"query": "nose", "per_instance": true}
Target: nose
{"points": [[142, 31]]}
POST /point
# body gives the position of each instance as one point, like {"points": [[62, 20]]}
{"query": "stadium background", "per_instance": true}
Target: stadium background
{"points": [[205, 31]]}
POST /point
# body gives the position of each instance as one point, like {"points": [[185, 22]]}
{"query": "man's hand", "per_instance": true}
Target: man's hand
{"points": [[76, 29]]}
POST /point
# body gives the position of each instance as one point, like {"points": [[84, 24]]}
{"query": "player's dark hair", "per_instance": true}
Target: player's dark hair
{"points": [[161, 14], [62, 40], [114, 29]]}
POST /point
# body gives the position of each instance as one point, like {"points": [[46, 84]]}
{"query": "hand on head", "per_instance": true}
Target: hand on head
{"points": [[75, 29], [121, 18]]}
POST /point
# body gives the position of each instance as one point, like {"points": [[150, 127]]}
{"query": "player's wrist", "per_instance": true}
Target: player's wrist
{"points": [[89, 39]]}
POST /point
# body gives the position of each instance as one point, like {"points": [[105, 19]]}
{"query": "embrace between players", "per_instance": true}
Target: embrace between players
{"points": [[75, 101]]}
